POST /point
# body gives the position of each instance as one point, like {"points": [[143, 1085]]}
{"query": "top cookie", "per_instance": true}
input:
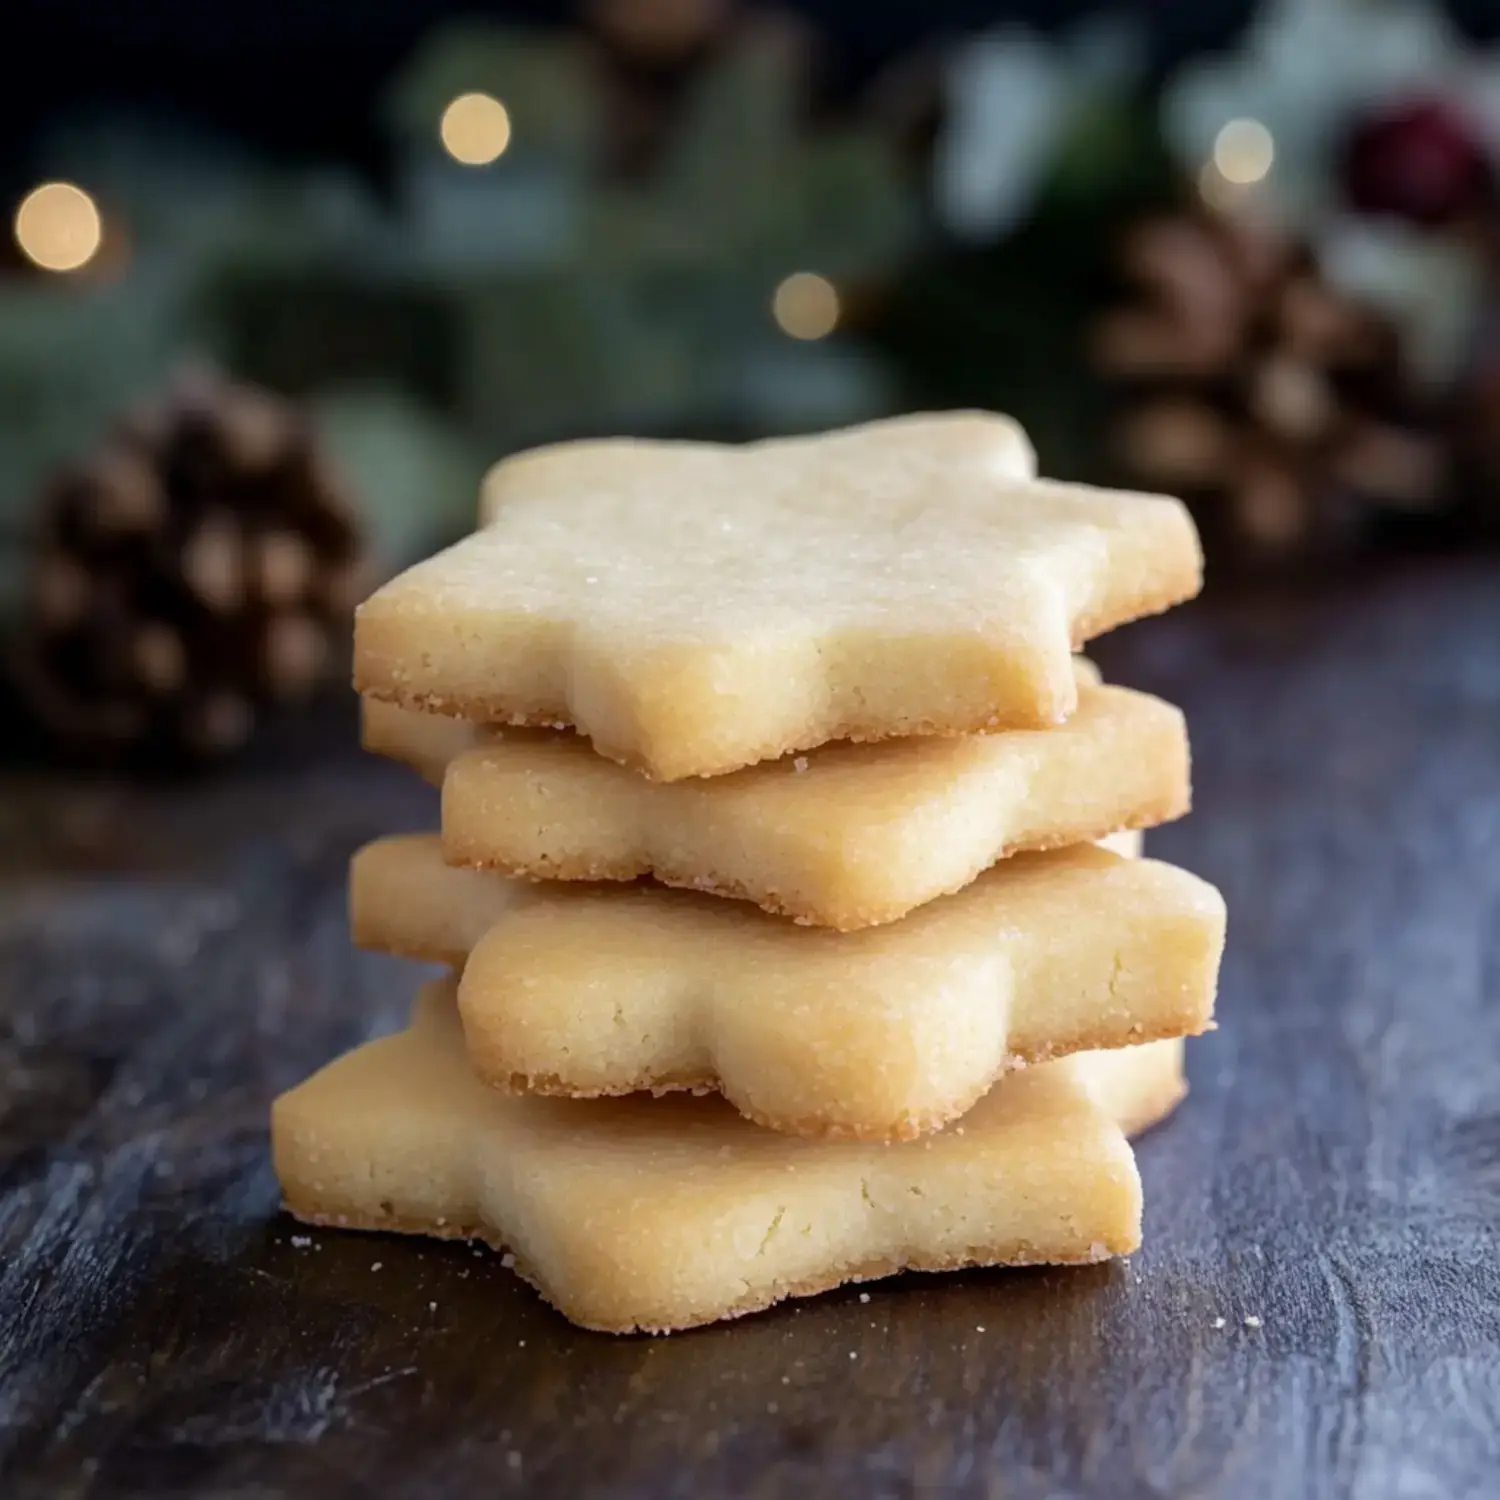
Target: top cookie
{"points": [[695, 608], [987, 438]]}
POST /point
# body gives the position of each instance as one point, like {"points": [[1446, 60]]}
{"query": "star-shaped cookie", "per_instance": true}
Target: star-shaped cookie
{"points": [[658, 1214], [846, 836], [881, 1035], [696, 608]]}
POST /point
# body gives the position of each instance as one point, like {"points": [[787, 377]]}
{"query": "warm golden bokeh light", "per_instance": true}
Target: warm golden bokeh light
{"points": [[806, 306], [475, 129], [58, 227], [1244, 151]]}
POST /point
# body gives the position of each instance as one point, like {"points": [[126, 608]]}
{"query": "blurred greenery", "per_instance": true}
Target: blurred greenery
{"points": [[1003, 325], [477, 309], [416, 476], [543, 78], [71, 359]]}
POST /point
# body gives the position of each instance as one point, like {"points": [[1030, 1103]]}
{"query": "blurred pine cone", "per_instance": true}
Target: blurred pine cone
{"points": [[193, 573], [1281, 408]]}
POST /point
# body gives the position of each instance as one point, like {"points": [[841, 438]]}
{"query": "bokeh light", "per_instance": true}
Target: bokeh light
{"points": [[58, 227], [806, 306], [475, 129], [1243, 152]]}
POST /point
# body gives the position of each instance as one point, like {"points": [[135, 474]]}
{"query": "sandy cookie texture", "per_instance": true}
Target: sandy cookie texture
{"points": [[661, 1214], [884, 1034], [997, 443], [430, 742], [846, 836], [710, 607]]}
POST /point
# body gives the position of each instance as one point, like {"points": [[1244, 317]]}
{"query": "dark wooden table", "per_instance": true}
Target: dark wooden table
{"points": [[171, 958]]}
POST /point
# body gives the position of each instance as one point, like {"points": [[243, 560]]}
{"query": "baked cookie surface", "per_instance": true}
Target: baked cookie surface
{"points": [[846, 836], [694, 608], [883, 1034], [660, 1214]]}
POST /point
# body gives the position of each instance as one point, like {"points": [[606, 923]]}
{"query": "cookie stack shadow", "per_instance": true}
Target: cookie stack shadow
{"points": [[819, 948]]}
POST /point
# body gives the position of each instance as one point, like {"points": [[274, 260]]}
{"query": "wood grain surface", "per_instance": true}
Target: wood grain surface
{"points": [[171, 958]]}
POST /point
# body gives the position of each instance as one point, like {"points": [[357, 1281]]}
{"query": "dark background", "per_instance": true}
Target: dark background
{"points": [[324, 61], [300, 79]]}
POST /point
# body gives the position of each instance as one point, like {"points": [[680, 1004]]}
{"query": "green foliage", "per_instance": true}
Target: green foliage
{"points": [[1004, 328], [1110, 157], [542, 78], [416, 478], [434, 336], [72, 357], [746, 182]]}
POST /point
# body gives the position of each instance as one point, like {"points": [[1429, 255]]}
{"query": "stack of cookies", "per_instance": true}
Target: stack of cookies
{"points": [[785, 875]]}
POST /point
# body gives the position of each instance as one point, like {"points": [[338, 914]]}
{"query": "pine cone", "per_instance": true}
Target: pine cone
{"points": [[1278, 406], [197, 570]]}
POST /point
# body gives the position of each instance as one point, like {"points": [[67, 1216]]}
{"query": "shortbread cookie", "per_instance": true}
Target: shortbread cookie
{"points": [[699, 608], [846, 836], [1129, 843], [882, 1034], [995, 442], [658, 1214], [427, 742]]}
